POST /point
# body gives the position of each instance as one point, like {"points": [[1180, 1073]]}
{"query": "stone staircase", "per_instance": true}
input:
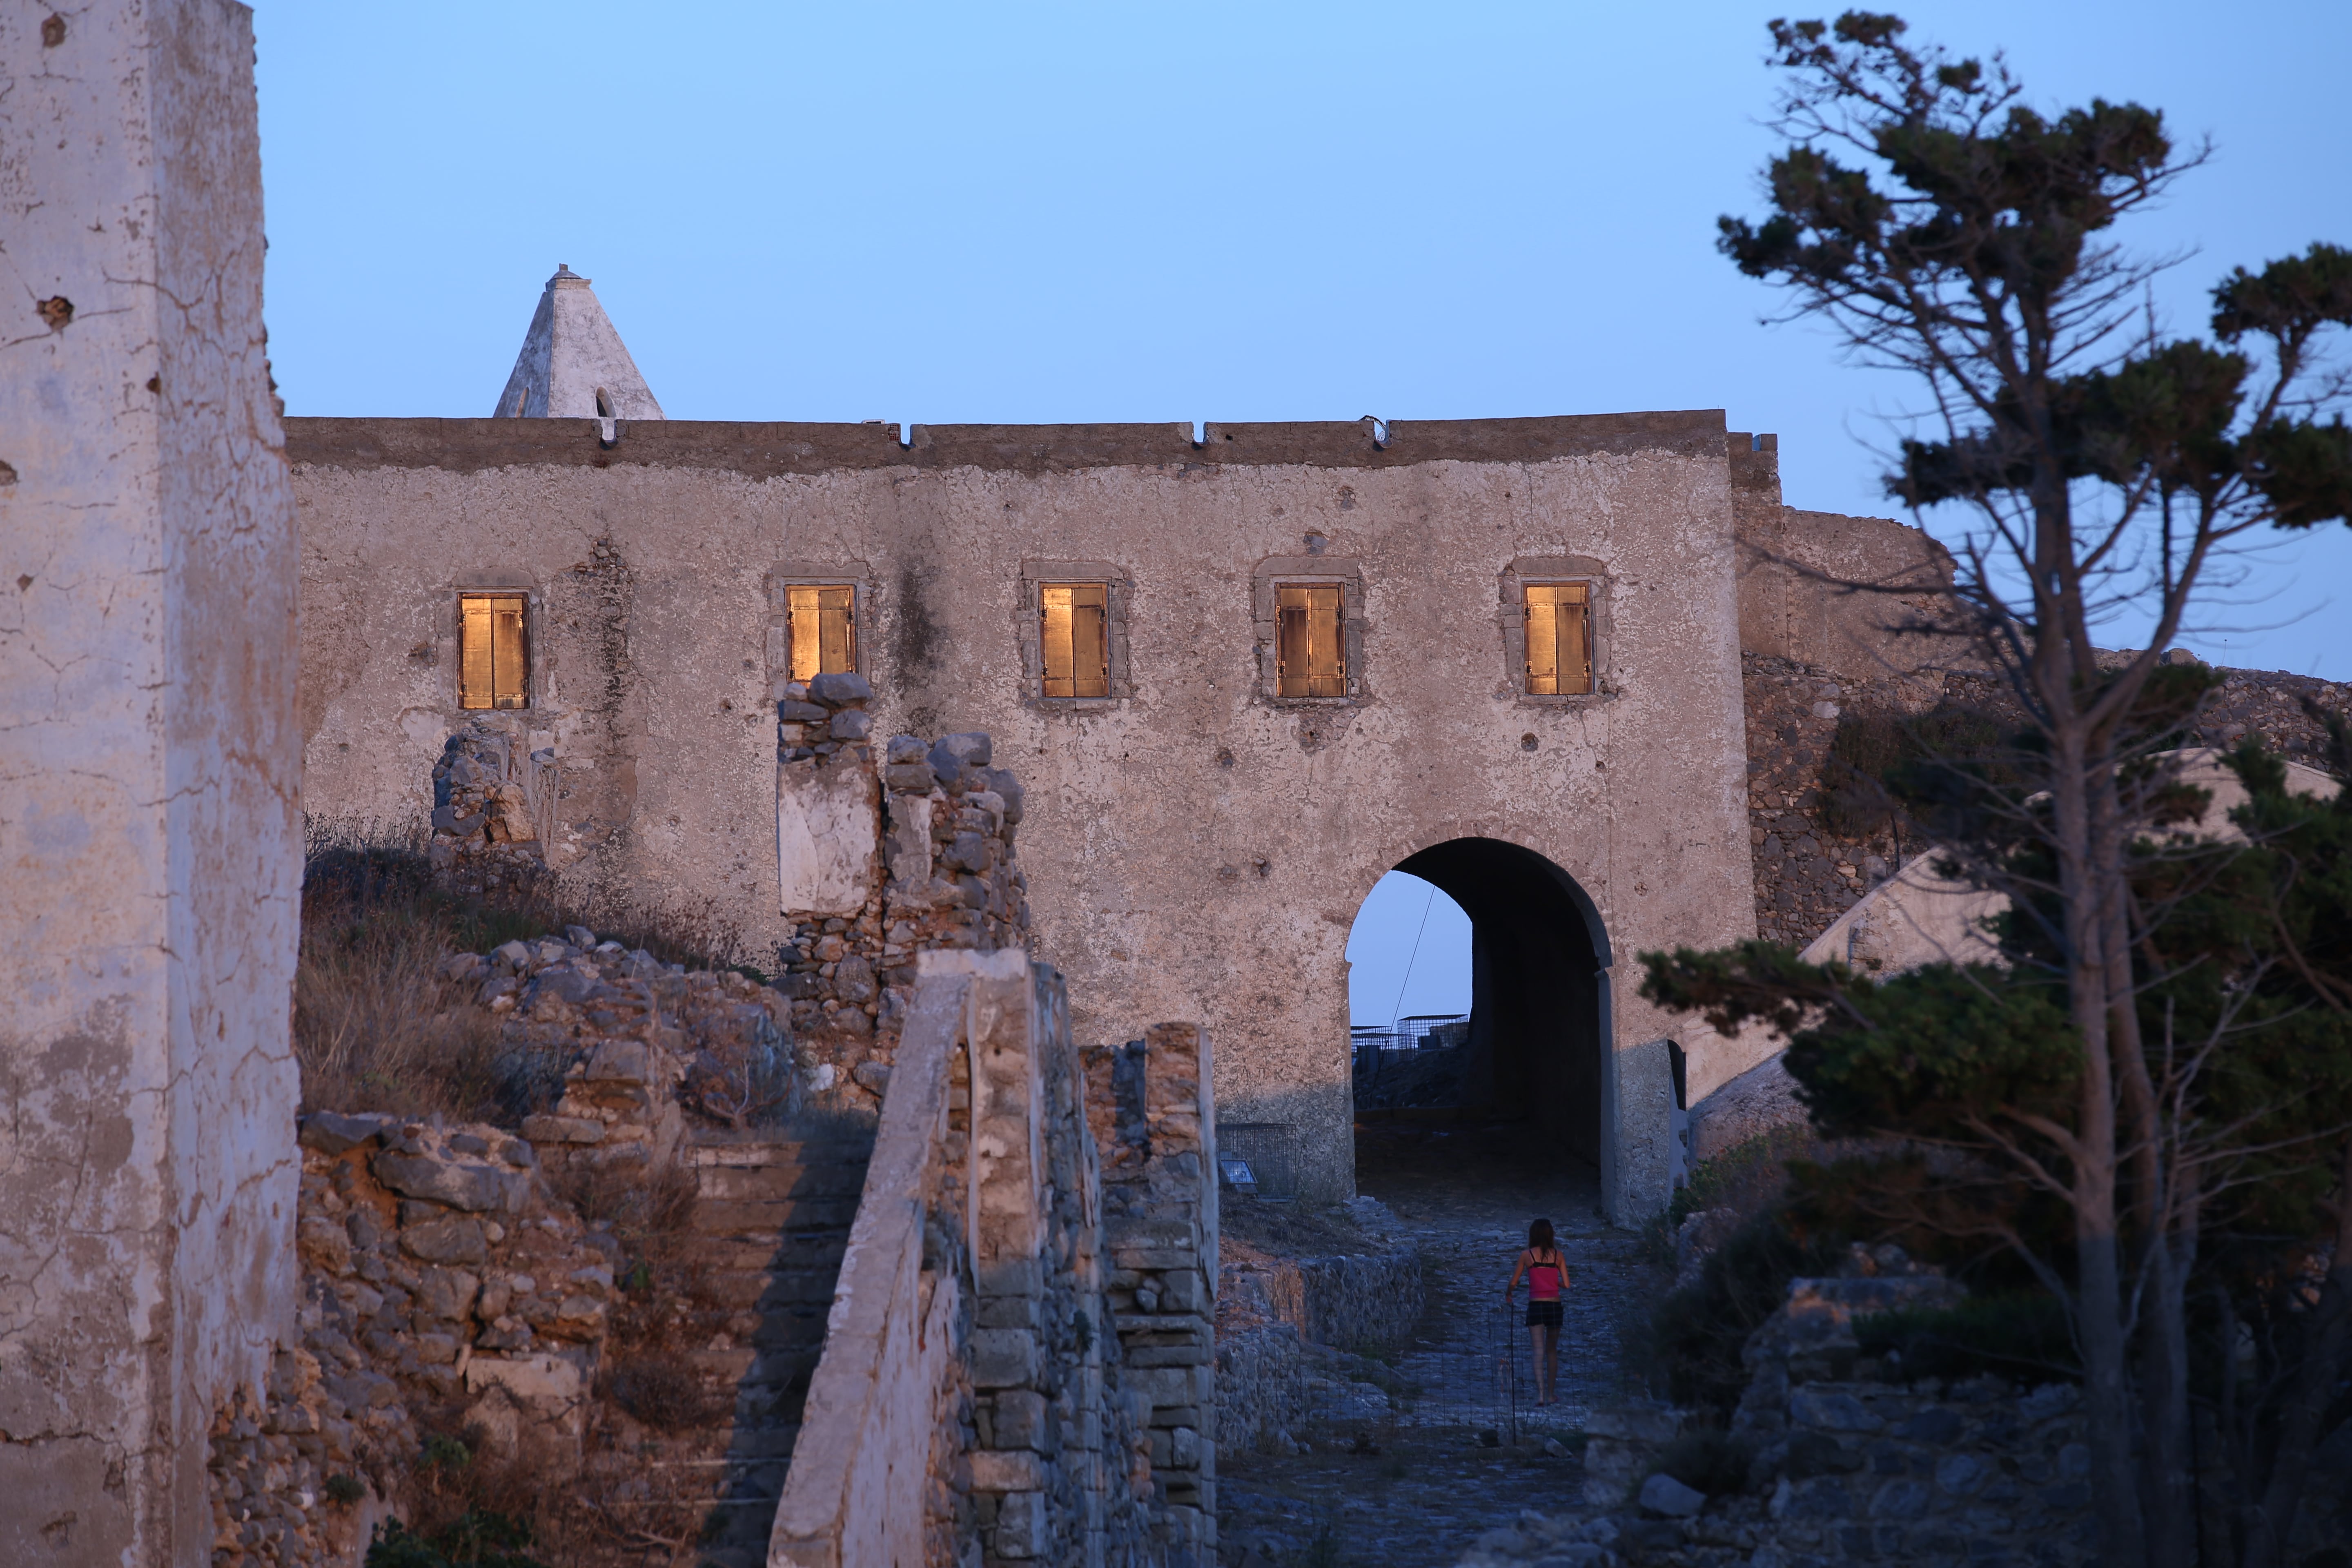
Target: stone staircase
{"points": [[771, 1223]]}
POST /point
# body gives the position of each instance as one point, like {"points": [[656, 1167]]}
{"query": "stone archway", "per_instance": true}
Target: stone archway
{"points": [[1538, 1010]]}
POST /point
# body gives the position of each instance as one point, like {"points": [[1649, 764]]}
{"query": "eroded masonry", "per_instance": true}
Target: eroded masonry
{"points": [[937, 1286], [1242, 674]]}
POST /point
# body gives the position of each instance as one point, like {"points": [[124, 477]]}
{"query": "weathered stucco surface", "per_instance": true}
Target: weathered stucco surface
{"points": [[149, 765], [1194, 849]]}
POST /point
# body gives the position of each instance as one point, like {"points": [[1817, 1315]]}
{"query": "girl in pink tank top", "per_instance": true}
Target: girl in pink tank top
{"points": [[1546, 1276]]}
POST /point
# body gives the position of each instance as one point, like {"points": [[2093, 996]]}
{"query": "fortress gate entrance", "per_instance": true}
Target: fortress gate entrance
{"points": [[1530, 1064]]}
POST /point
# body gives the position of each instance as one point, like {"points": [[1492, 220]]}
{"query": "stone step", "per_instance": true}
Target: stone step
{"points": [[792, 1249], [771, 1225], [743, 1287], [725, 1447], [837, 1179], [777, 1151], [773, 1216], [745, 1364]]}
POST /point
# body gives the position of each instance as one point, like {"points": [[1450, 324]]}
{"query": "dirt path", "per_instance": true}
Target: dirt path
{"points": [[1412, 1478]]}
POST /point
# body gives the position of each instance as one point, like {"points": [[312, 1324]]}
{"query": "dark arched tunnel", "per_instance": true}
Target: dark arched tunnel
{"points": [[1534, 1050]]}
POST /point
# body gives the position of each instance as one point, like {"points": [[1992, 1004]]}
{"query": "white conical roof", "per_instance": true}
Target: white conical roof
{"points": [[570, 356]]}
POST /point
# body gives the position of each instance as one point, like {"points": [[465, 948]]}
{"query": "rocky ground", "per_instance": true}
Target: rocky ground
{"points": [[1436, 1442]]}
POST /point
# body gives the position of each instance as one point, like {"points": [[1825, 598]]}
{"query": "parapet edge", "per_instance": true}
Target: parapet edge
{"points": [[762, 450]]}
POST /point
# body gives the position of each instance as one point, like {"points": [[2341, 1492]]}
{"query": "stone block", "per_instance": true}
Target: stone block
{"points": [[1004, 1358], [453, 1240], [1009, 1276], [997, 1471], [1006, 1312], [476, 1188], [447, 1293], [621, 1061], [969, 747], [1663, 1494], [1181, 1290], [331, 1133], [1021, 1526], [1960, 1474], [1166, 1386], [1019, 1421], [1141, 1258], [533, 1379], [324, 1245], [562, 1130], [838, 689]]}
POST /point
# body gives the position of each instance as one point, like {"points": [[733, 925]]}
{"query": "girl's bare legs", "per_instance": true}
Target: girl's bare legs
{"points": [[1535, 1332], [1551, 1365]]}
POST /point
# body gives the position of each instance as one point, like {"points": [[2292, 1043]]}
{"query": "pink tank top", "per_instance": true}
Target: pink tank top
{"points": [[1543, 1282]]}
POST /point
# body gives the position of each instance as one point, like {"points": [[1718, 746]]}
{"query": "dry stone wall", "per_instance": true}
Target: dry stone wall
{"points": [[1975, 1473], [1283, 1312], [1029, 1285], [447, 1291], [917, 850]]}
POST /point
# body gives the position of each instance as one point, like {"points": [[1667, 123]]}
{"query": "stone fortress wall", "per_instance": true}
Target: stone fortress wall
{"points": [[1196, 847], [150, 776]]}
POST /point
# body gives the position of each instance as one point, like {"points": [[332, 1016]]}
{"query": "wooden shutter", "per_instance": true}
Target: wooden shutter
{"points": [[493, 655], [821, 623], [1560, 638], [1307, 661], [1073, 634]]}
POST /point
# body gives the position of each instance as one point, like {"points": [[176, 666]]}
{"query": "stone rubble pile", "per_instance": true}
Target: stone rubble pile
{"points": [[446, 1291], [1808, 874], [623, 1043], [492, 801], [1975, 1473]]}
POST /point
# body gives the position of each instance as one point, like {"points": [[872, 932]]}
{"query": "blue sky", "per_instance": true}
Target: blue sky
{"points": [[933, 214]]}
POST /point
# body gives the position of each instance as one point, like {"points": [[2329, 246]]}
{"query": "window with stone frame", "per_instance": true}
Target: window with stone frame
{"points": [[1074, 638], [494, 650], [1310, 657], [1558, 637], [821, 627]]}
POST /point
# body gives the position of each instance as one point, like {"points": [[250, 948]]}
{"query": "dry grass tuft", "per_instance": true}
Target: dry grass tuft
{"points": [[377, 1028], [658, 1389]]}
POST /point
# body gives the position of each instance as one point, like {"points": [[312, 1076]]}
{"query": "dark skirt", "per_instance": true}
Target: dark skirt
{"points": [[1543, 1314]]}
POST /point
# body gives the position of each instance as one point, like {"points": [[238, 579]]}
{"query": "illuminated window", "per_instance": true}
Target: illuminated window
{"points": [[1074, 638], [822, 622], [1307, 656], [494, 663], [1560, 638]]}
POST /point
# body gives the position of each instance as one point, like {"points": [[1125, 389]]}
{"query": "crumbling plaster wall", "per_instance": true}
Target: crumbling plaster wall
{"points": [[149, 768], [1194, 850]]}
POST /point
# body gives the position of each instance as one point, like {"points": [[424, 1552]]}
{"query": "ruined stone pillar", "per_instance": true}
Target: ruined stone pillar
{"points": [[149, 840]]}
